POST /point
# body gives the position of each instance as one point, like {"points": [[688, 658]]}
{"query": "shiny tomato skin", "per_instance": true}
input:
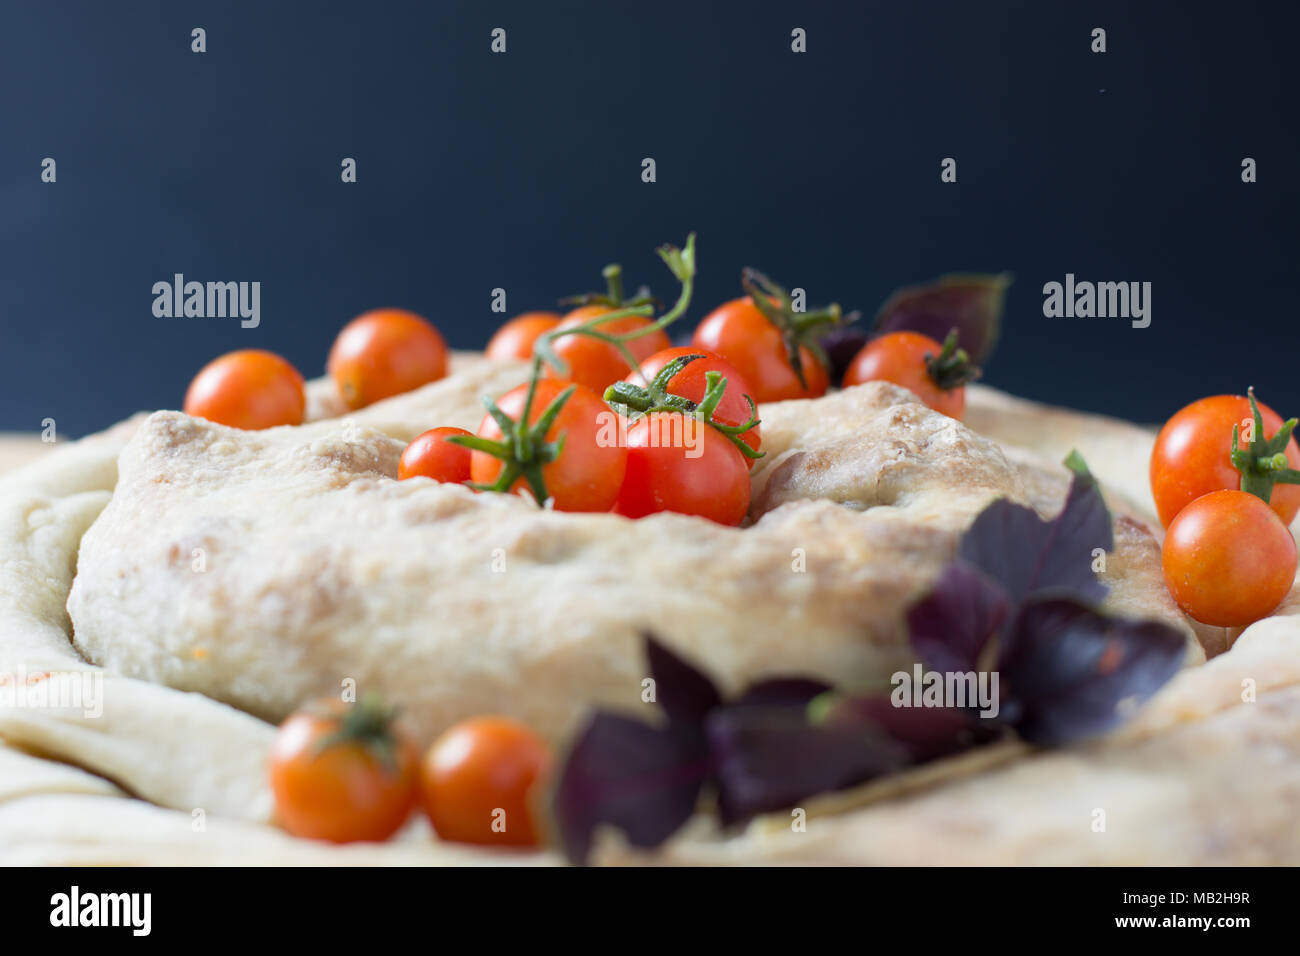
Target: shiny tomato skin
{"points": [[1228, 560], [899, 357], [475, 770], [515, 339], [664, 473], [690, 383], [597, 364], [343, 793], [590, 469], [744, 336], [249, 389], [432, 456], [383, 353], [1191, 457]]}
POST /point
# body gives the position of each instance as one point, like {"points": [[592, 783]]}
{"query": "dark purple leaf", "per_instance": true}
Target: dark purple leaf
{"points": [[952, 625], [1066, 668], [1025, 554], [771, 758], [927, 733], [842, 344], [643, 779], [781, 691], [685, 693], [971, 304]]}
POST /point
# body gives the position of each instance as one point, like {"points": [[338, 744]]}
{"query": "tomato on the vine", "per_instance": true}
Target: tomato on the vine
{"points": [[1193, 456], [586, 473], [691, 383], [478, 782], [249, 389], [515, 339], [598, 364], [742, 335], [936, 374], [431, 455], [1228, 560], [679, 463], [343, 772], [384, 353]]}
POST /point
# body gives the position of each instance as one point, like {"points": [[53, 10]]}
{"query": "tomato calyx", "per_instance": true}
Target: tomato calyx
{"points": [[612, 297], [681, 262], [522, 448], [634, 401], [798, 329], [368, 723], [952, 367], [1264, 463]]}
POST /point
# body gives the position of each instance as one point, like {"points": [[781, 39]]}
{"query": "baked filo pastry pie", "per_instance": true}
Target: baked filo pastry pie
{"points": [[196, 584]]}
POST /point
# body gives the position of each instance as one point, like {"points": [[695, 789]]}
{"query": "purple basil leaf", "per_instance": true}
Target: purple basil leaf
{"points": [[643, 779], [842, 344], [770, 758], [927, 733], [791, 691], [1025, 554], [971, 304], [952, 624], [1066, 668], [685, 693]]}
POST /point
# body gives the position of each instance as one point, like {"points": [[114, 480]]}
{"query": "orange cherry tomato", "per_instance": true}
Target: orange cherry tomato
{"points": [[1228, 559], [477, 782], [1192, 453], [746, 338], [690, 383], [432, 456], [589, 471], [249, 389], [515, 339], [361, 786], [384, 353], [678, 463], [899, 357], [598, 364]]}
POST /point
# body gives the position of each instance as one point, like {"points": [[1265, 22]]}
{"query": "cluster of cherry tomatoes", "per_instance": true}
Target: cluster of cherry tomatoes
{"points": [[1223, 475], [346, 772]]}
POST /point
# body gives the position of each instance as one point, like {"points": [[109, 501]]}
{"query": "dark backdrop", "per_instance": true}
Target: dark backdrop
{"points": [[522, 171]]}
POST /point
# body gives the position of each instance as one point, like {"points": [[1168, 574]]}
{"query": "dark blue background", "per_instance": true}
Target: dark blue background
{"points": [[523, 171]]}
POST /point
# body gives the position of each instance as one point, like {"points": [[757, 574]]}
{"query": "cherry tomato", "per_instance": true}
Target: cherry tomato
{"points": [[477, 782], [745, 337], [433, 457], [598, 364], [384, 353], [249, 389], [515, 339], [690, 383], [1228, 559], [353, 788], [677, 463], [1191, 456], [589, 471], [899, 357]]}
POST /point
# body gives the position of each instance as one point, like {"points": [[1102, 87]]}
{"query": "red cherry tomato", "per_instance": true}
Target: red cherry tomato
{"points": [[249, 389], [515, 339], [1228, 559], [478, 782], [678, 463], [1191, 457], [384, 353], [899, 357], [432, 456], [690, 383], [744, 336], [598, 364], [589, 471]]}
